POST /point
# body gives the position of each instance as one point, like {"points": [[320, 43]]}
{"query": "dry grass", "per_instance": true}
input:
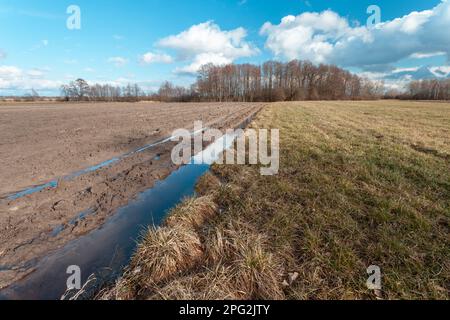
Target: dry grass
{"points": [[360, 183], [232, 260], [192, 213], [203, 285], [164, 251], [206, 184], [162, 254], [353, 191], [237, 265], [254, 271]]}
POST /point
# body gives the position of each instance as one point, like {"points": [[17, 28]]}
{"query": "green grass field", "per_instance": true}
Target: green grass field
{"points": [[360, 184]]}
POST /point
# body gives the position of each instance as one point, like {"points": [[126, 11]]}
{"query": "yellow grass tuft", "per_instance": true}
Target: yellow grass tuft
{"points": [[192, 213], [162, 254], [207, 183], [254, 271], [209, 284]]}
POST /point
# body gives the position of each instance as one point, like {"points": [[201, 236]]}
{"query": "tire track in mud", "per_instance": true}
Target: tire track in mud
{"points": [[42, 222]]}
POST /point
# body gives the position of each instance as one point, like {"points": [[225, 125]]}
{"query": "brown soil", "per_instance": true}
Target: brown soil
{"points": [[41, 142]]}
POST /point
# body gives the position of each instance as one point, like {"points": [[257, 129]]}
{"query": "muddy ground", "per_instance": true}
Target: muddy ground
{"points": [[42, 142]]}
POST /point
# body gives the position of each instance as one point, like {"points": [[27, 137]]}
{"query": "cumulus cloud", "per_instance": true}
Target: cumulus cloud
{"points": [[311, 35], [328, 38], [201, 59], [118, 61], [207, 43], [14, 78], [151, 57]]}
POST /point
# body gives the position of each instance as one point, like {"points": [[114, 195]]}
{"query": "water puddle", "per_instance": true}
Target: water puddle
{"points": [[80, 217], [112, 245], [54, 183]]}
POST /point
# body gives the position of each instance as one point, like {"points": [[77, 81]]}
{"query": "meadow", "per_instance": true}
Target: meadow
{"points": [[360, 184]]}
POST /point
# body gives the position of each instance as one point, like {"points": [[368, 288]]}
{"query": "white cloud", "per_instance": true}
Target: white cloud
{"points": [[9, 72], [202, 59], [2, 54], [420, 55], [395, 80], [399, 78], [207, 43], [309, 36], [118, 61], [151, 57], [401, 70], [14, 78], [327, 37], [441, 71]]}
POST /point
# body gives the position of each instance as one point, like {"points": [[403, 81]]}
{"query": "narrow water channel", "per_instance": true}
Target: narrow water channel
{"points": [[112, 245], [54, 183]]}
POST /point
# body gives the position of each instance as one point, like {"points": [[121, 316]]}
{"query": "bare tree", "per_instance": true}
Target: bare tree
{"points": [[276, 81], [435, 89], [272, 81]]}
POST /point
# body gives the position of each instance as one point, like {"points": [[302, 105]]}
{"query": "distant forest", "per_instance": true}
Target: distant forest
{"points": [[276, 81], [429, 90], [271, 81]]}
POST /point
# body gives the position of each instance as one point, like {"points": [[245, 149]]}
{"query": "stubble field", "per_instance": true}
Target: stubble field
{"points": [[360, 184]]}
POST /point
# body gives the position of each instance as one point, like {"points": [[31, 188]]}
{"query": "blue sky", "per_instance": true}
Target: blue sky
{"points": [[154, 40]]}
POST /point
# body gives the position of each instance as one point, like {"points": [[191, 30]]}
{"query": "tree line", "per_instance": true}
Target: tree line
{"points": [[274, 81], [80, 90], [271, 81], [435, 89]]}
